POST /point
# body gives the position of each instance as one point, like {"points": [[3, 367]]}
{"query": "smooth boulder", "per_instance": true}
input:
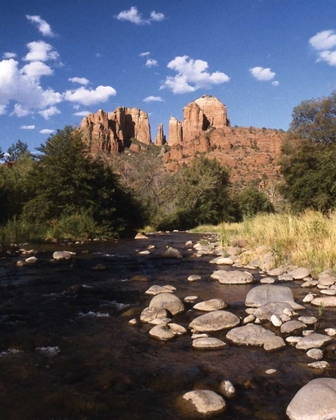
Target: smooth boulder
{"points": [[232, 277], [170, 302], [315, 401], [214, 321], [267, 293]]}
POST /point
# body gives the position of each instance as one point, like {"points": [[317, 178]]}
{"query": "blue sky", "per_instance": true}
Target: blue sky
{"points": [[62, 59]]}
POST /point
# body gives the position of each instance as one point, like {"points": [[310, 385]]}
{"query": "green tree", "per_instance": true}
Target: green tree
{"points": [[14, 185], [16, 150], [202, 193], [66, 180], [309, 171], [250, 201], [315, 120]]}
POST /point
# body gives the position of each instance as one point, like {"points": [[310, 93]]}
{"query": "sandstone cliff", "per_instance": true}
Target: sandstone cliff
{"points": [[250, 153], [111, 133]]}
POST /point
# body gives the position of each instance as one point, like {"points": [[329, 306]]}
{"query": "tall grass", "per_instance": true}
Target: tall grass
{"points": [[308, 239]]}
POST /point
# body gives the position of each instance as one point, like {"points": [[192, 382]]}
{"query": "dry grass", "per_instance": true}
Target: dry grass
{"points": [[308, 239]]}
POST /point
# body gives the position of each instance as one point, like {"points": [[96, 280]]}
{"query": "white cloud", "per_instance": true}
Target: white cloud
{"points": [[276, 83], [262, 74], [327, 56], [49, 112], [27, 127], [89, 96], [80, 80], [36, 69], [157, 17], [41, 24], [9, 55], [151, 63], [46, 131], [2, 109], [323, 40], [134, 16], [144, 54], [20, 111], [191, 75], [153, 99], [22, 86], [40, 51], [82, 113]]}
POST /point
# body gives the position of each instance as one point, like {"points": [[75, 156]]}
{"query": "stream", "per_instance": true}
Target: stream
{"points": [[68, 352]]}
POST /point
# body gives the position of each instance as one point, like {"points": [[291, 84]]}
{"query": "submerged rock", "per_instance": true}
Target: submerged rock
{"points": [[208, 343], [311, 341]]}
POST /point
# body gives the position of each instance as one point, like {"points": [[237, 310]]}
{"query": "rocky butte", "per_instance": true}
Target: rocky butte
{"points": [[250, 153]]}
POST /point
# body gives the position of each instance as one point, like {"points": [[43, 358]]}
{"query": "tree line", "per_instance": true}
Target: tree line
{"points": [[61, 185]]}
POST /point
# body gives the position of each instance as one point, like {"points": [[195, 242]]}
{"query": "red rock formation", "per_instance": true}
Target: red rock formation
{"points": [[160, 138], [112, 133], [174, 131]]}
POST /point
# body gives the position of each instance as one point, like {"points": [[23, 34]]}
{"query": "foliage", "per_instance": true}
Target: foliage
{"points": [[66, 181], [202, 193], [308, 239], [14, 186], [249, 202], [309, 171], [308, 156], [315, 120], [15, 151]]}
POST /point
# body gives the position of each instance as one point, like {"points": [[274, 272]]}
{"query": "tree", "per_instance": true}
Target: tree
{"points": [[309, 171], [202, 193], [250, 201], [15, 151], [66, 180], [315, 120]]}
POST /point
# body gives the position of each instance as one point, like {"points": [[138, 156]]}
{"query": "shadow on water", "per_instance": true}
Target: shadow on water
{"points": [[68, 352]]}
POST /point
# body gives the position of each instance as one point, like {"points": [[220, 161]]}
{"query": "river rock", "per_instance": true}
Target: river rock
{"points": [[308, 320], [326, 301], [227, 389], [309, 283], [315, 401], [268, 293], [276, 321], [255, 335], [171, 253], [205, 402], [156, 290], [330, 331], [170, 302], [210, 305], [232, 277], [299, 273], [162, 332], [277, 271], [190, 299], [316, 354], [177, 328], [291, 327], [208, 343], [31, 260], [248, 319], [139, 277], [194, 277], [327, 278], [322, 364], [313, 340], [267, 262], [149, 314], [145, 252], [308, 298], [266, 311], [328, 292], [61, 255], [140, 236], [285, 277], [267, 280], [214, 321], [222, 260]]}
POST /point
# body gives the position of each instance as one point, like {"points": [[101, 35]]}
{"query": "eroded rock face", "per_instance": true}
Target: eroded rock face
{"points": [[111, 133], [160, 138]]}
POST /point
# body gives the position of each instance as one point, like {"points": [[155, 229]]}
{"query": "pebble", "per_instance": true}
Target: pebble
{"points": [[270, 371]]}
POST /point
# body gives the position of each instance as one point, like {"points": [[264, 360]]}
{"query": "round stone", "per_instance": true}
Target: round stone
{"points": [[208, 343]]}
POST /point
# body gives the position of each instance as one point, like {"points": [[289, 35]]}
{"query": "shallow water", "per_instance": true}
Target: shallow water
{"points": [[73, 356]]}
